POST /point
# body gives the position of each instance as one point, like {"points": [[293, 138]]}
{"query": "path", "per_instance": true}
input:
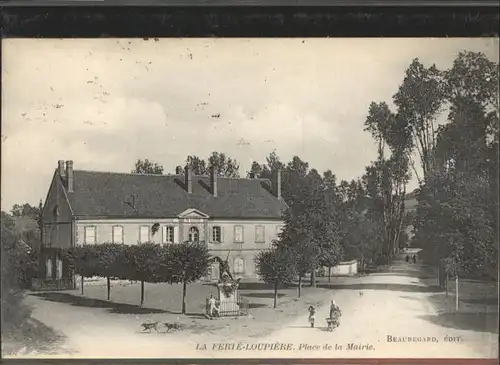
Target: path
{"points": [[394, 303]]}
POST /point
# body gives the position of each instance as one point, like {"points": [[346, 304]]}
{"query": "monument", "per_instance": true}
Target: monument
{"points": [[228, 290]]}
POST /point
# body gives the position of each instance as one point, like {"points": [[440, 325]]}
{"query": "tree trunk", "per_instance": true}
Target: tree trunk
{"points": [[456, 293], [108, 282], [446, 284], [81, 283], [329, 273], [275, 294], [313, 278], [300, 284], [184, 296], [142, 292]]}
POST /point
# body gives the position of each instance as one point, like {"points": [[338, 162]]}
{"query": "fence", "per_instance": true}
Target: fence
{"points": [[228, 308]]}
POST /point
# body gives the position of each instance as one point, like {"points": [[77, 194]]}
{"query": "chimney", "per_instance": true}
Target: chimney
{"points": [[60, 168], [213, 181], [70, 180], [188, 179], [278, 184]]}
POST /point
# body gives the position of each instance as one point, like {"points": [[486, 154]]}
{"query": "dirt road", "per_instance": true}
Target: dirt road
{"points": [[384, 315]]}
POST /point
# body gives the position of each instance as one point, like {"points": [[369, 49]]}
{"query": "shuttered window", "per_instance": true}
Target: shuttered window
{"points": [[90, 235], [260, 234], [239, 265], [117, 234], [144, 234]]}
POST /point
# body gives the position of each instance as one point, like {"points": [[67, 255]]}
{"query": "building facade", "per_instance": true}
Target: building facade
{"points": [[235, 217]]}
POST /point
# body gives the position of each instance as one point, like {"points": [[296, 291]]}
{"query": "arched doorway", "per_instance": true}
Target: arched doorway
{"points": [[193, 234]]}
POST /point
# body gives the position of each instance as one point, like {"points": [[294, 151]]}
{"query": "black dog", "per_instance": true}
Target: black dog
{"points": [[150, 326], [172, 326]]}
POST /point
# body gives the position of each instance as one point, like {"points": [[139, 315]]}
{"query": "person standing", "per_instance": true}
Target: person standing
{"points": [[312, 312], [212, 307]]}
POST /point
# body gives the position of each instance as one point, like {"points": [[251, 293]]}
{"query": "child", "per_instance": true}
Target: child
{"points": [[312, 312]]}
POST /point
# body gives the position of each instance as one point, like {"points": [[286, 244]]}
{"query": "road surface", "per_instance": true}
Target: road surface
{"points": [[384, 315]]}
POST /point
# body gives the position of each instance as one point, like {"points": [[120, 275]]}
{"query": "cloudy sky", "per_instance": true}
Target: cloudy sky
{"points": [[106, 103]]}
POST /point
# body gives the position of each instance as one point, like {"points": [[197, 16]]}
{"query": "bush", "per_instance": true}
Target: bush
{"points": [[15, 262]]}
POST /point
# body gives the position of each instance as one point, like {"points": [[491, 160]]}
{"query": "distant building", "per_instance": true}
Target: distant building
{"points": [[235, 217]]}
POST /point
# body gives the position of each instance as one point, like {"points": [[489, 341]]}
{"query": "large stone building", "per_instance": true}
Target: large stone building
{"points": [[235, 217]]}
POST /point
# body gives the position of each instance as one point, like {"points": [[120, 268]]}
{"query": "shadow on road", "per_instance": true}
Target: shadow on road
{"points": [[113, 307], [257, 305], [383, 286], [262, 295], [478, 322]]}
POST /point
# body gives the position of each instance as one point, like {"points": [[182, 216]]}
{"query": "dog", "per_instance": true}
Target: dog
{"points": [[150, 326], [172, 326], [361, 293]]}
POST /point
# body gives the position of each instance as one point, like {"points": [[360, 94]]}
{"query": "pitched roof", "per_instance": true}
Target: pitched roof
{"points": [[104, 194]]}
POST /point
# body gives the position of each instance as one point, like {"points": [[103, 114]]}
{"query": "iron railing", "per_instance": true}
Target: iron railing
{"points": [[228, 308]]}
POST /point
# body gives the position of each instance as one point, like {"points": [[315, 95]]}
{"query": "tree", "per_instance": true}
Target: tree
{"points": [[147, 167], [419, 101], [111, 260], [277, 267], [310, 222], [198, 166], [387, 177], [144, 262], [255, 170], [190, 262], [15, 261], [457, 211], [83, 261], [224, 165]]}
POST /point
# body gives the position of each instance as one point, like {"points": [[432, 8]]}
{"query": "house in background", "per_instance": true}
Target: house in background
{"points": [[235, 217]]}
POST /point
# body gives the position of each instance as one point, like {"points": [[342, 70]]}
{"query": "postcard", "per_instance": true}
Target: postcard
{"points": [[250, 198]]}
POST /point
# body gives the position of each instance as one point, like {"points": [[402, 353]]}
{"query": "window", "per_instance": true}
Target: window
{"points": [[238, 234], [193, 234], [239, 265], [117, 234], [168, 234], [59, 269], [259, 234], [90, 235], [48, 269], [216, 234], [144, 234], [46, 236]]}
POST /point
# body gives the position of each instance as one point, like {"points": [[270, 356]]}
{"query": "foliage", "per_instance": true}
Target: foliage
{"points": [[147, 167], [457, 212], [191, 261], [15, 261], [276, 266], [224, 166], [419, 101], [143, 261]]}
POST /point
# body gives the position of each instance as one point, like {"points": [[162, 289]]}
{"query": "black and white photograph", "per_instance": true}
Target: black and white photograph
{"points": [[250, 198]]}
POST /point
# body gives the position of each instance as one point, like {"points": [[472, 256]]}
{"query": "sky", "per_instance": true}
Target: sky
{"points": [[104, 103]]}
